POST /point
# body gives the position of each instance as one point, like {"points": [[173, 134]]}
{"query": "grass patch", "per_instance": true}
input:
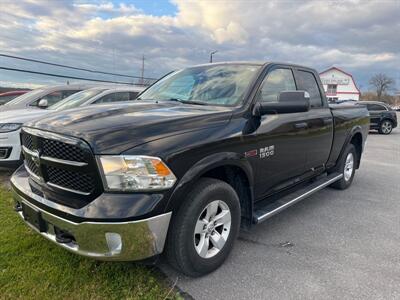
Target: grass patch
{"points": [[32, 267]]}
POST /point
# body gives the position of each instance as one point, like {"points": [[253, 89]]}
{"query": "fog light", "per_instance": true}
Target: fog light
{"points": [[114, 242]]}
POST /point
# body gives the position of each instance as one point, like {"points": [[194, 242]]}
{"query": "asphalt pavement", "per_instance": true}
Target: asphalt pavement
{"points": [[333, 245]]}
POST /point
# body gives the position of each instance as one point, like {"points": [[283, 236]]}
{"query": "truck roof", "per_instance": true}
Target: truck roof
{"points": [[252, 63]]}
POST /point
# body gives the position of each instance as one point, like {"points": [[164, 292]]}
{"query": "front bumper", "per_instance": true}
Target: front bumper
{"points": [[10, 141], [118, 241]]}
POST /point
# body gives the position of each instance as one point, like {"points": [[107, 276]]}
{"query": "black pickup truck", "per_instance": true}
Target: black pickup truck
{"points": [[204, 151]]}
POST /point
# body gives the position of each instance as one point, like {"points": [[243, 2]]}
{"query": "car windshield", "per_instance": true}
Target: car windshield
{"points": [[23, 97], [208, 85], [76, 99]]}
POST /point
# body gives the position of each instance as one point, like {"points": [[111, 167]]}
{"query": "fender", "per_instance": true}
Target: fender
{"points": [[350, 135], [205, 165]]}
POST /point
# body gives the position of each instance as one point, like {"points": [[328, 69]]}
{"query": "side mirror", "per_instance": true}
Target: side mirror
{"points": [[288, 102], [43, 103]]}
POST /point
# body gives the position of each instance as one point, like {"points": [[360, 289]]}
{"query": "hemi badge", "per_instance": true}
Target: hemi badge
{"points": [[251, 153]]}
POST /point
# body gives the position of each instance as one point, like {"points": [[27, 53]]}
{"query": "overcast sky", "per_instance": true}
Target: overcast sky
{"points": [[361, 37]]}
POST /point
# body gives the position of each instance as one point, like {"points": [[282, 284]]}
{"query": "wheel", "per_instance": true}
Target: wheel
{"points": [[386, 127], [203, 231], [346, 166]]}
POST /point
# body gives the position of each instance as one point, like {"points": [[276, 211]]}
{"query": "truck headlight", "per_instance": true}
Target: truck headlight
{"points": [[7, 127], [135, 173]]}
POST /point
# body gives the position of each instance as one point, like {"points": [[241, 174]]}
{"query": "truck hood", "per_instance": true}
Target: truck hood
{"points": [[115, 128], [22, 115]]}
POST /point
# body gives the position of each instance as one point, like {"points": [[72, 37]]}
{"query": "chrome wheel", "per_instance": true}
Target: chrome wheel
{"points": [[386, 127], [212, 229], [348, 166]]}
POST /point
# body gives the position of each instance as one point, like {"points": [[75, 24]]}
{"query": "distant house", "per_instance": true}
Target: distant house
{"points": [[339, 85]]}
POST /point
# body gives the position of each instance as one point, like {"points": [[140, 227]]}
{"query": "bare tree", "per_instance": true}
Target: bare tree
{"points": [[382, 83]]}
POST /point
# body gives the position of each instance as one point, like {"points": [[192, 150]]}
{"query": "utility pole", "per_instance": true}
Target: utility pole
{"points": [[211, 55], [142, 81]]}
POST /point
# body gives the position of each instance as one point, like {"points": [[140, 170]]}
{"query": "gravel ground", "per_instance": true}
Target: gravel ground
{"points": [[333, 245]]}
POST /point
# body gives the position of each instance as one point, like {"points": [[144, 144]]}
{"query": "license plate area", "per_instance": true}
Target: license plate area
{"points": [[33, 217]]}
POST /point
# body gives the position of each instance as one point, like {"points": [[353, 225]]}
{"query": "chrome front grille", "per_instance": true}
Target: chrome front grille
{"points": [[60, 164], [29, 163]]}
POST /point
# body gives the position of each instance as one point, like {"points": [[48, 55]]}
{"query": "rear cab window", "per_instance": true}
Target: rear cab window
{"points": [[306, 81]]}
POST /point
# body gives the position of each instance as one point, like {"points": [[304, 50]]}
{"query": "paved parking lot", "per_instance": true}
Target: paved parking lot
{"points": [[335, 244]]}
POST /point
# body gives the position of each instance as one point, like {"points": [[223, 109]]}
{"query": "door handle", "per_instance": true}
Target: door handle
{"points": [[327, 121], [301, 125]]}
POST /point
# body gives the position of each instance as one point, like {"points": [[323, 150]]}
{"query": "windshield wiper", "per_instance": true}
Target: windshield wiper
{"points": [[187, 101]]}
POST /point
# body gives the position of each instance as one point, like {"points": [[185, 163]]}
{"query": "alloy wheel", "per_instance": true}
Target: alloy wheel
{"points": [[212, 229], [348, 166]]}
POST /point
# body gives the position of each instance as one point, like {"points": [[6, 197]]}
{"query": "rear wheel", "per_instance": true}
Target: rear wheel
{"points": [[386, 127], [346, 166], [203, 231]]}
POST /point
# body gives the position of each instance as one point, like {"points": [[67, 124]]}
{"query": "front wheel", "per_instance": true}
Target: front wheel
{"points": [[386, 127], [203, 231], [346, 166]]}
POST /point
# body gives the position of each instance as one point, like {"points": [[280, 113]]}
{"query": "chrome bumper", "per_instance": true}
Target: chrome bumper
{"points": [[124, 241]]}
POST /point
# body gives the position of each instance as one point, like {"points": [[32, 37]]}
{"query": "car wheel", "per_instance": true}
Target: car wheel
{"points": [[203, 231], [386, 127], [346, 166]]}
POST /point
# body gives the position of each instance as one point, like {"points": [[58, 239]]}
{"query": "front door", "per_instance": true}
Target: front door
{"points": [[280, 137]]}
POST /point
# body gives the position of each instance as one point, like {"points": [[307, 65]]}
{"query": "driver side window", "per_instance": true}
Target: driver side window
{"points": [[277, 81]]}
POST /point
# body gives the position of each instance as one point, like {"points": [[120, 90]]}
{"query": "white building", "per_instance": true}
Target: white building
{"points": [[339, 85]]}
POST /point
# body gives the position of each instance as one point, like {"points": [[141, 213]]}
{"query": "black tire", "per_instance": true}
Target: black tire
{"points": [[346, 180], [180, 249], [386, 127]]}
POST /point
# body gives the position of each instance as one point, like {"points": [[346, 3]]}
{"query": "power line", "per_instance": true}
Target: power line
{"points": [[72, 67], [63, 76]]}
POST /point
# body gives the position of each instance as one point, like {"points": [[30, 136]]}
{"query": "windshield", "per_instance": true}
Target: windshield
{"points": [[211, 84], [23, 97], [77, 99]]}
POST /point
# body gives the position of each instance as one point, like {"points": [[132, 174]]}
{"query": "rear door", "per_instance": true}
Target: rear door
{"points": [[319, 137]]}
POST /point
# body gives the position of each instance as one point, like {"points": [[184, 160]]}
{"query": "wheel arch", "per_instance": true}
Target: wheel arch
{"points": [[354, 137], [229, 167]]}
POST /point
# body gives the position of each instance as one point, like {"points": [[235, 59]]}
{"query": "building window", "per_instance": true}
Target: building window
{"points": [[332, 89]]}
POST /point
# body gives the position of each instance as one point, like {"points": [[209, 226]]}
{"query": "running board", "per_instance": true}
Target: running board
{"points": [[272, 209]]}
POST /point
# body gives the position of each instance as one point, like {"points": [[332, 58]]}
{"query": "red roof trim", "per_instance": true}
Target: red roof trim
{"points": [[348, 74]]}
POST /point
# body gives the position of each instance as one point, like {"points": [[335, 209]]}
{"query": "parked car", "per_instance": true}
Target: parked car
{"points": [[206, 150], [12, 120], [8, 96], [44, 97], [383, 117]]}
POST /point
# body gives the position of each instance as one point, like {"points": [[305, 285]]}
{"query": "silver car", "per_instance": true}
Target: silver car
{"points": [[44, 97]]}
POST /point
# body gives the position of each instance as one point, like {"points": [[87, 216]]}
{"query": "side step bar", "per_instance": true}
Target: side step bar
{"points": [[272, 209]]}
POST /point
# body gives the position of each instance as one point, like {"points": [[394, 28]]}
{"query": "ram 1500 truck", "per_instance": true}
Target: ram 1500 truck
{"points": [[203, 151]]}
